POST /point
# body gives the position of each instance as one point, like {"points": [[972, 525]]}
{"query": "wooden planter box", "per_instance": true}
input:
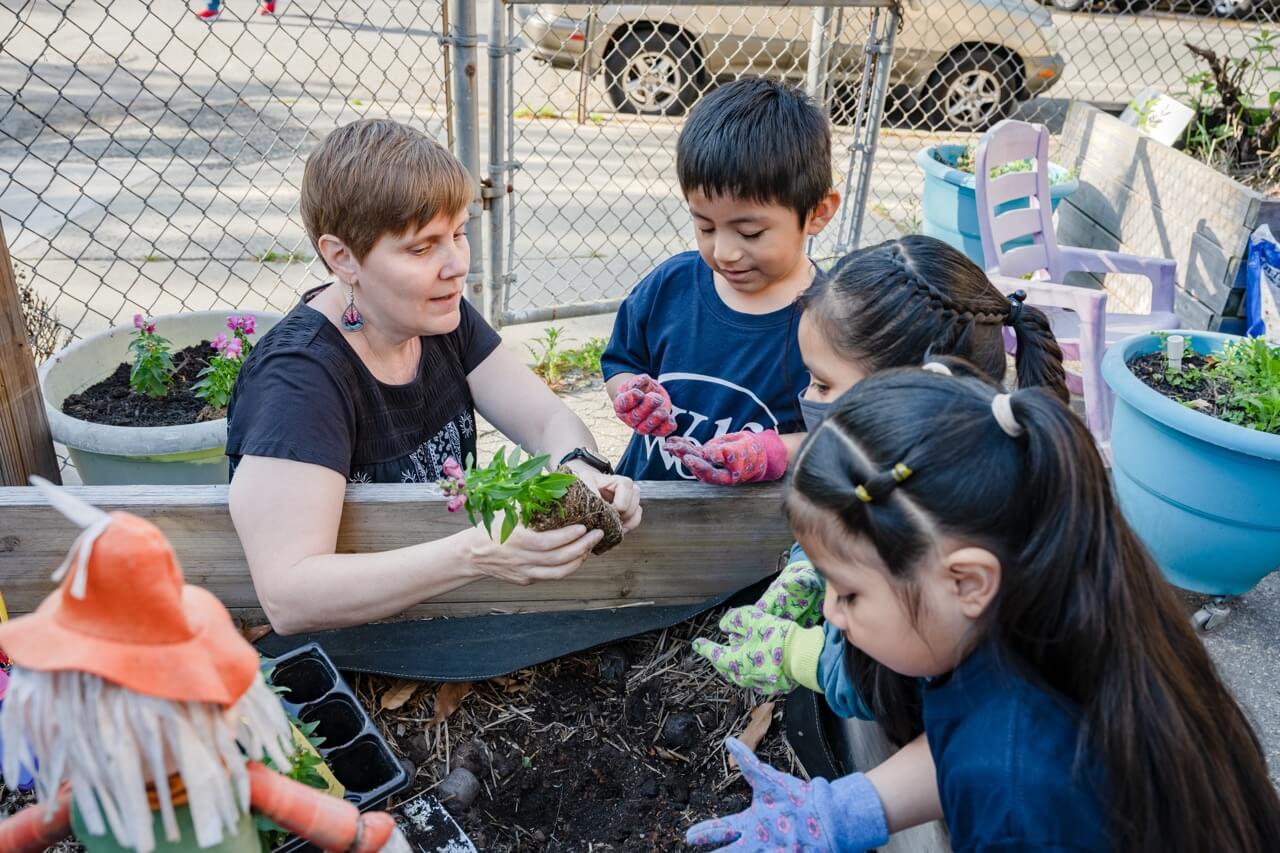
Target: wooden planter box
{"points": [[1144, 198]]}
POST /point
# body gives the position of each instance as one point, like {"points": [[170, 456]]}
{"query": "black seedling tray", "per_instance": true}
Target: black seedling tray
{"points": [[353, 747]]}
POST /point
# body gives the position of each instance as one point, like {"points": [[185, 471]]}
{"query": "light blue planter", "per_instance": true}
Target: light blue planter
{"points": [[950, 205], [1200, 492]]}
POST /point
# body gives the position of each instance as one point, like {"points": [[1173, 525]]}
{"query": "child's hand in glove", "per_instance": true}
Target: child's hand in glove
{"points": [[787, 813], [739, 457], [796, 594], [645, 406]]}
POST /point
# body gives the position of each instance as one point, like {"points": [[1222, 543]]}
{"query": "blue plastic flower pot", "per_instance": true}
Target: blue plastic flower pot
{"points": [[950, 206], [1200, 492]]}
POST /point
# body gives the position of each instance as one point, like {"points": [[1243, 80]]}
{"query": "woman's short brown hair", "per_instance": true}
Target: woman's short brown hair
{"points": [[375, 177]]}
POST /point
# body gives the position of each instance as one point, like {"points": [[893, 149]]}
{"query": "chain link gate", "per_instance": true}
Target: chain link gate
{"points": [[593, 106], [152, 161]]}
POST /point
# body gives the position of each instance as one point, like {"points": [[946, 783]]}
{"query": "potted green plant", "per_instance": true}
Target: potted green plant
{"points": [[1195, 444], [526, 493], [949, 206], [146, 402]]}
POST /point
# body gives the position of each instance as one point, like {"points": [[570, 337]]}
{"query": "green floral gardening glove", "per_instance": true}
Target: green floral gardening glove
{"points": [[796, 594], [764, 652]]}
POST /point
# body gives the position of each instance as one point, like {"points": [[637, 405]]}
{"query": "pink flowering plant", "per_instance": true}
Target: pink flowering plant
{"points": [[507, 487], [152, 371], [218, 379]]}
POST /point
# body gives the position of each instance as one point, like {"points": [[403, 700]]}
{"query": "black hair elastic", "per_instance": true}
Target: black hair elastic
{"points": [[1015, 307]]}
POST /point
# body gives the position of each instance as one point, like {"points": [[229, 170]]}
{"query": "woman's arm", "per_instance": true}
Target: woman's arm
{"points": [[286, 514], [512, 398]]}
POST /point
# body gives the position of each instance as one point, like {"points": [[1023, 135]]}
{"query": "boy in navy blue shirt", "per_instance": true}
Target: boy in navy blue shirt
{"points": [[704, 362]]}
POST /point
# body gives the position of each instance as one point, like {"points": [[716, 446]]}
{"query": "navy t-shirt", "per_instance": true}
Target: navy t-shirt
{"points": [[725, 371], [303, 394], [1005, 749]]}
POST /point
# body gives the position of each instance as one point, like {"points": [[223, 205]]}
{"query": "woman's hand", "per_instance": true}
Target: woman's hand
{"points": [[620, 492], [529, 555]]}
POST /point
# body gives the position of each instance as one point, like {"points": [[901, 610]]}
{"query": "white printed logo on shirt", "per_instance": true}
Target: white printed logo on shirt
{"points": [[689, 421]]}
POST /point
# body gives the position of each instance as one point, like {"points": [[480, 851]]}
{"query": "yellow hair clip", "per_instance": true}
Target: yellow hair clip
{"points": [[863, 494], [901, 472]]}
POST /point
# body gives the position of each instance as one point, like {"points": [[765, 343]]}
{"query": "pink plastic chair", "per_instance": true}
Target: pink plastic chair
{"points": [[1079, 315]]}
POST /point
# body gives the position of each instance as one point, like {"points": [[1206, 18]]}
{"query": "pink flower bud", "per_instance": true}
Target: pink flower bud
{"points": [[456, 503], [452, 468], [233, 349], [139, 321], [219, 343], [248, 324], [151, 328], [233, 322]]}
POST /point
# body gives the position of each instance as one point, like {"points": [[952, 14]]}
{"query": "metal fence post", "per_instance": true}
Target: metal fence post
{"points": [[819, 54], [466, 112], [496, 191]]}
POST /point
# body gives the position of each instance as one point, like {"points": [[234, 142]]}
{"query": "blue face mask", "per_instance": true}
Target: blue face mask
{"points": [[813, 412]]}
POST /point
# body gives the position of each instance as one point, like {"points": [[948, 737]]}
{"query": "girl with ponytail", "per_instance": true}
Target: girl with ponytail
{"points": [[969, 539]]}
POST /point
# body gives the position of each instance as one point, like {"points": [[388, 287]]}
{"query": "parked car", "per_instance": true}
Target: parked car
{"points": [[963, 63], [1116, 6]]}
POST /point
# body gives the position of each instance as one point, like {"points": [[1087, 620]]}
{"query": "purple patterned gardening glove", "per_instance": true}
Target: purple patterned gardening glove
{"points": [[790, 814]]}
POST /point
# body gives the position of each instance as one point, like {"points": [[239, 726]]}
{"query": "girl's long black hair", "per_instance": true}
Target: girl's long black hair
{"points": [[892, 304], [1081, 605]]}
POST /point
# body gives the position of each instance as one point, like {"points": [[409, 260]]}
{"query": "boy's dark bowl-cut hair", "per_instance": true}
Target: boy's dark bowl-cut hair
{"points": [[758, 140]]}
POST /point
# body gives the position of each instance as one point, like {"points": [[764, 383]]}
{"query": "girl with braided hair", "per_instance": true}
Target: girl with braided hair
{"points": [[890, 305], [970, 542]]}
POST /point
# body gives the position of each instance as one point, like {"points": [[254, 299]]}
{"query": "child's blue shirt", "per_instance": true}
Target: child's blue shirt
{"points": [[1005, 749], [725, 371]]}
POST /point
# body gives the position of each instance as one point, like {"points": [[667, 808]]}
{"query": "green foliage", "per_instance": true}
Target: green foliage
{"points": [[152, 371], [965, 162], [217, 380], [513, 489], [554, 364], [1252, 369]]}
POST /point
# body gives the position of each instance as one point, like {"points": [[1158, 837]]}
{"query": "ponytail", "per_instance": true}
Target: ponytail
{"points": [[1081, 605], [1039, 357]]}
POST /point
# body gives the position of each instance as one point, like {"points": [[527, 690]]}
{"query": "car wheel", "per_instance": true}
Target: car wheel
{"points": [[1133, 7], [652, 73], [1071, 5], [972, 91], [1231, 8]]}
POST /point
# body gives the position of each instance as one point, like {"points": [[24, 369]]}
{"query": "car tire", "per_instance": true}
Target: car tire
{"points": [[652, 73], [1132, 7], [1071, 5], [972, 91], [1230, 8]]}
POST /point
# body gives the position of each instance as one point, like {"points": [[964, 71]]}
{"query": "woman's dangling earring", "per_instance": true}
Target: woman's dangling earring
{"points": [[352, 320]]}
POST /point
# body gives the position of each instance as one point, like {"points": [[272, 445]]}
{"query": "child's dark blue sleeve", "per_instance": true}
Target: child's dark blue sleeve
{"points": [[628, 349]]}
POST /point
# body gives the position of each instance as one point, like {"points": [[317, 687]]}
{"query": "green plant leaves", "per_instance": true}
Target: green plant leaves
{"points": [[512, 488]]}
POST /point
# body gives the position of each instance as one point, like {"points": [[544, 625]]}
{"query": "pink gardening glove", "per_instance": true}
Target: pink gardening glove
{"points": [[645, 406], [739, 457]]}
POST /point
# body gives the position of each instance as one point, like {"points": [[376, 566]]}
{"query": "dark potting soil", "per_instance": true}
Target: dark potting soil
{"points": [[580, 505], [114, 403], [1191, 387]]}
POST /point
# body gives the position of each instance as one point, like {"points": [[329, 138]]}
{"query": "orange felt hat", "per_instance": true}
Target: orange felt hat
{"points": [[123, 613]]}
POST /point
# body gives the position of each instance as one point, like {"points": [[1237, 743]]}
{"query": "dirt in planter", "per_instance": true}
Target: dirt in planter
{"points": [[1199, 392], [113, 402], [610, 750], [580, 505]]}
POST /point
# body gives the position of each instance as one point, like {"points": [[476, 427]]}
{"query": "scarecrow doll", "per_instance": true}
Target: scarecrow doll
{"points": [[143, 716]]}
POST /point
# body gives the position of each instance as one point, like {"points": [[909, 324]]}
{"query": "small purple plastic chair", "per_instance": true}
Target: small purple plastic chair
{"points": [[1021, 242]]}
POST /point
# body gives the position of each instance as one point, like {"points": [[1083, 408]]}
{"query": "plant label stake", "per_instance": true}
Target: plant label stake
{"points": [[1177, 345]]}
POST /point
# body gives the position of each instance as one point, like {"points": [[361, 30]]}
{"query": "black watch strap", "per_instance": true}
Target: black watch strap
{"points": [[600, 464]]}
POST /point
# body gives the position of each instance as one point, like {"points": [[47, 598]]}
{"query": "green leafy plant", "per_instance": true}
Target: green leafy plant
{"points": [[556, 365], [152, 371], [1236, 128], [505, 487], [218, 379], [965, 161], [1240, 385]]}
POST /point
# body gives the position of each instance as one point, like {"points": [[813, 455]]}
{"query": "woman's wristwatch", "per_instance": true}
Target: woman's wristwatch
{"points": [[600, 464]]}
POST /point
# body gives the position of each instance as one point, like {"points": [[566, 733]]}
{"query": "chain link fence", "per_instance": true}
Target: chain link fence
{"points": [[152, 160]]}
